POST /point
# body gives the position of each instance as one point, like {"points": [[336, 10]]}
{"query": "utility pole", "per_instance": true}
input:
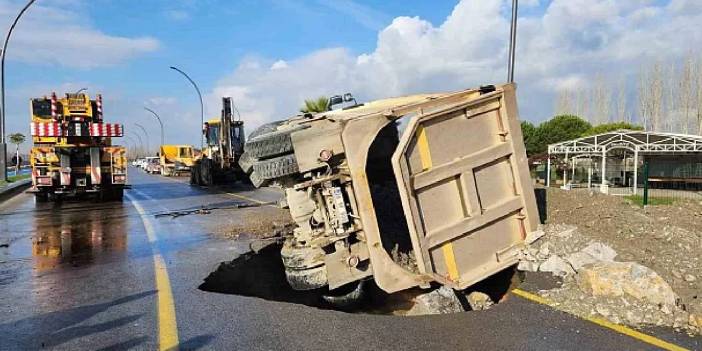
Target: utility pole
{"points": [[159, 122], [512, 42], [3, 142], [146, 135], [202, 106]]}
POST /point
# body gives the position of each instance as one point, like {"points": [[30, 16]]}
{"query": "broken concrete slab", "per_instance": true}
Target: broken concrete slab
{"points": [[556, 265], [600, 251], [528, 266], [580, 259]]}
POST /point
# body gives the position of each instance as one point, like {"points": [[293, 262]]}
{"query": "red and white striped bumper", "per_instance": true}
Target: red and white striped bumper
{"points": [[49, 129], [106, 130]]}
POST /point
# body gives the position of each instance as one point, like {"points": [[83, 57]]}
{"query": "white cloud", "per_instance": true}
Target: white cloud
{"points": [[280, 64], [562, 47], [53, 33], [177, 15]]}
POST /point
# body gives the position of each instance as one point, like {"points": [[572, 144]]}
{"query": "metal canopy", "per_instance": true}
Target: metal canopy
{"points": [[638, 142], [647, 142]]}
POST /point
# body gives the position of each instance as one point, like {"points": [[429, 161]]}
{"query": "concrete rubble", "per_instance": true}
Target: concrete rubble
{"points": [[439, 301], [594, 283]]}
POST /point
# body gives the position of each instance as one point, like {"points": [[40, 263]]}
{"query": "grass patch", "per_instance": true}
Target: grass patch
{"points": [[652, 201], [14, 178]]}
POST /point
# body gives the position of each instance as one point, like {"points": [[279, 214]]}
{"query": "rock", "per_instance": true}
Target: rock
{"points": [[533, 236], [479, 301], [544, 251], [614, 279], [634, 316], [440, 301], [677, 274], [579, 259], [689, 278], [556, 265], [603, 311], [528, 266], [600, 251], [566, 233]]}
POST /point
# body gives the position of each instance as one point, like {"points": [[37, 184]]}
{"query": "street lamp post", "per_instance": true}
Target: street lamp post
{"points": [[159, 122], [141, 143], [146, 134], [202, 106], [3, 142], [512, 42]]}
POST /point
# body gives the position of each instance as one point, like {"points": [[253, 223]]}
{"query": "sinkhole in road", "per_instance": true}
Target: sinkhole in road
{"points": [[261, 275]]}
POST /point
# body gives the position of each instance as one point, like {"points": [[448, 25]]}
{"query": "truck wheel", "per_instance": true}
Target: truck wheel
{"points": [[206, 176], [276, 167], [246, 162], [266, 128], [304, 267], [195, 174], [271, 144], [41, 197], [256, 181], [118, 194]]}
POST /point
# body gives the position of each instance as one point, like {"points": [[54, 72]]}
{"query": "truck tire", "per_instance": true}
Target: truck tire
{"points": [[195, 174], [246, 162], [256, 181], [276, 167], [266, 128], [269, 145], [206, 175], [118, 194], [41, 197]]}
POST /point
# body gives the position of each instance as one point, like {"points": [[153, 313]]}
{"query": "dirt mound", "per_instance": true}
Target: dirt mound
{"points": [[662, 241]]}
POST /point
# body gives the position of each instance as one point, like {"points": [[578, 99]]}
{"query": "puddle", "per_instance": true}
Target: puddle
{"points": [[262, 275]]}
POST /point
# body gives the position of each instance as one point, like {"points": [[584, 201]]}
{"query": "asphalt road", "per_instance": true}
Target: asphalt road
{"points": [[101, 276]]}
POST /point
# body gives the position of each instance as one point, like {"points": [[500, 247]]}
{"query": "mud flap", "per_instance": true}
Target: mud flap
{"points": [[65, 171], [95, 166]]}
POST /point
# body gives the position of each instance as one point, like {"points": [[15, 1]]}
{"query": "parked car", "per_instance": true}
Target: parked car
{"points": [[153, 165]]}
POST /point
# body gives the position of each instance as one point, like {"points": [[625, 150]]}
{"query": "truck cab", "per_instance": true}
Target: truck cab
{"points": [[176, 159]]}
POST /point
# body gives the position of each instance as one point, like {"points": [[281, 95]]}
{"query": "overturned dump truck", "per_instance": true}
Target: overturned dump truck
{"points": [[407, 191]]}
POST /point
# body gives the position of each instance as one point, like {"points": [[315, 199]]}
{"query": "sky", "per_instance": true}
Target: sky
{"points": [[270, 55]]}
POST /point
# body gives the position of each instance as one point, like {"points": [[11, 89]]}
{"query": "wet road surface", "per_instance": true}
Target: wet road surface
{"points": [[86, 276]]}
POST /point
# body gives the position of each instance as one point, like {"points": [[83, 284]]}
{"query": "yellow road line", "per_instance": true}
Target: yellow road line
{"points": [[606, 324], [167, 325]]}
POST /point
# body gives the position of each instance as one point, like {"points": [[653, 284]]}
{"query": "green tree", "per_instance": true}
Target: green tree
{"points": [[610, 127], [320, 104], [17, 139], [559, 128], [529, 133]]}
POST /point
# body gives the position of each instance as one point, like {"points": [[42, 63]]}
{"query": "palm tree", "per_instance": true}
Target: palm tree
{"points": [[320, 104], [17, 139]]}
